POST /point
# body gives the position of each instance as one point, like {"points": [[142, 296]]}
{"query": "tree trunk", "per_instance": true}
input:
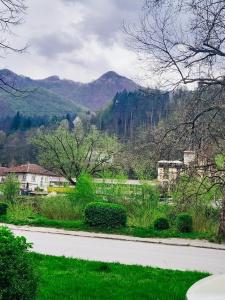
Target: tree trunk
{"points": [[72, 181], [222, 219]]}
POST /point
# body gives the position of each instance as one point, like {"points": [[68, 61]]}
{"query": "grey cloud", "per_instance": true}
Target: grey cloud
{"points": [[129, 5], [106, 17], [100, 63], [54, 44], [62, 31], [124, 4], [104, 29]]}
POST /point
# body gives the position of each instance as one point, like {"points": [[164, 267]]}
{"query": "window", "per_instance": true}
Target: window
{"points": [[24, 177], [33, 178]]}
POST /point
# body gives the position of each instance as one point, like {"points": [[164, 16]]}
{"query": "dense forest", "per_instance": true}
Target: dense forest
{"points": [[130, 110], [16, 132]]}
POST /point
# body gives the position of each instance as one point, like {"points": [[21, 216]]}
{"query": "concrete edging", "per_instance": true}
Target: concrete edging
{"points": [[204, 244]]}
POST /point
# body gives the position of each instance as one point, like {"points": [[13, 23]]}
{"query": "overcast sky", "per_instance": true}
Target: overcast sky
{"points": [[75, 39]]}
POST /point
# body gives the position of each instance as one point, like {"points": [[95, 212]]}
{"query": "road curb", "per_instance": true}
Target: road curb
{"points": [[203, 244]]}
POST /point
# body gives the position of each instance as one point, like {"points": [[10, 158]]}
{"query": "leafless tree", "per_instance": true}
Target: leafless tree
{"points": [[11, 15], [184, 40], [184, 43]]}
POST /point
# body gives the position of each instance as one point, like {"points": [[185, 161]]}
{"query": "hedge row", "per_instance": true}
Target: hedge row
{"points": [[184, 223], [107, 215]]}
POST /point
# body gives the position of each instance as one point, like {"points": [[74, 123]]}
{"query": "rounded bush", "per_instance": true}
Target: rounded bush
{"points": [[184, 223], [161, 224], [3, 209], [106, 215], [17, 276]]}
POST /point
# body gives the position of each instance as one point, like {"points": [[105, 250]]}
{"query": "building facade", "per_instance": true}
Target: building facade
{"points": [[169, 170], [33, 177]]}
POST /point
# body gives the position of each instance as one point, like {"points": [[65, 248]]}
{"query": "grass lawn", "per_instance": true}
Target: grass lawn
{"points": [[69, 279], [131, 231]]}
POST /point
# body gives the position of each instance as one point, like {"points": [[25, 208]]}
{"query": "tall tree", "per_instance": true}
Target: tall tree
{"points": [[73, 152], [184, 40]]}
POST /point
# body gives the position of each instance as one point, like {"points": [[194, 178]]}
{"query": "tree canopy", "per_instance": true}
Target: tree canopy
{"points": [[70, 153]]}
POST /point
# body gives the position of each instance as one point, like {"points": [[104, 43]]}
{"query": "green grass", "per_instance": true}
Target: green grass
{"points": [[69, 279], [131, 231], [59, 212]]}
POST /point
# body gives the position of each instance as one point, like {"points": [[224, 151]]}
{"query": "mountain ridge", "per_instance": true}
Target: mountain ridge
{"points": [[73, 95]]}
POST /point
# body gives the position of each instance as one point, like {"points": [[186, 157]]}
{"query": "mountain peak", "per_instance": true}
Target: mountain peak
{"points": [[52, 78], [110, 75]]}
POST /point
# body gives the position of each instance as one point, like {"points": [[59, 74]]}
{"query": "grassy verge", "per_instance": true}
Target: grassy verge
{"points": [[131, 231], [63, 278]]}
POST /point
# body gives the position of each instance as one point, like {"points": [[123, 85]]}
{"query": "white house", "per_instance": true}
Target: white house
{"points": [[33, 177]]}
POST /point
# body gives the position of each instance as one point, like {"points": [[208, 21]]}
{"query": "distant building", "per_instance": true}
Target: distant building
{"points": [[169, 170], [33, 177]]}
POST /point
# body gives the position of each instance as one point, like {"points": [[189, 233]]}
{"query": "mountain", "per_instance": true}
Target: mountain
{"points": [[94, 95], [53, 95], [104, 89], [30, 99]]}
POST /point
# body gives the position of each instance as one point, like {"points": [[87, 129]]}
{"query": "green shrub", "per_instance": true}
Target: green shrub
{"points": [[20, 212], [10, 188], [84, 191], [161, 224], [184, 223], [17, 276], [3, 209], [106, 215]]}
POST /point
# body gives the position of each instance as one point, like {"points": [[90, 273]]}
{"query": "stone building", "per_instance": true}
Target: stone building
{"points": [[169, 170]]}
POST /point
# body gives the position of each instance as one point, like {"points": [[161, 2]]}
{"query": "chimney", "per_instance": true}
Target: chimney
{"points": [[189, 157]]}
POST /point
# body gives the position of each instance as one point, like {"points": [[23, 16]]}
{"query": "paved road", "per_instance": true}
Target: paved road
{"points": [[127, 252]]}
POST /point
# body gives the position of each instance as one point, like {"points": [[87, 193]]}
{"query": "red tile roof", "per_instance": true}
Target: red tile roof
{"points": [[3, 171], [30, 168]]}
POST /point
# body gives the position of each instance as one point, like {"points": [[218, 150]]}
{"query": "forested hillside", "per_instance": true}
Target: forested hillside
{"points": [[130, 110], [15, 135]]}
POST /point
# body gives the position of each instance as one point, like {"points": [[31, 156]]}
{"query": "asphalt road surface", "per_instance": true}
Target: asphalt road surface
{"points": [[127, 252]]}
